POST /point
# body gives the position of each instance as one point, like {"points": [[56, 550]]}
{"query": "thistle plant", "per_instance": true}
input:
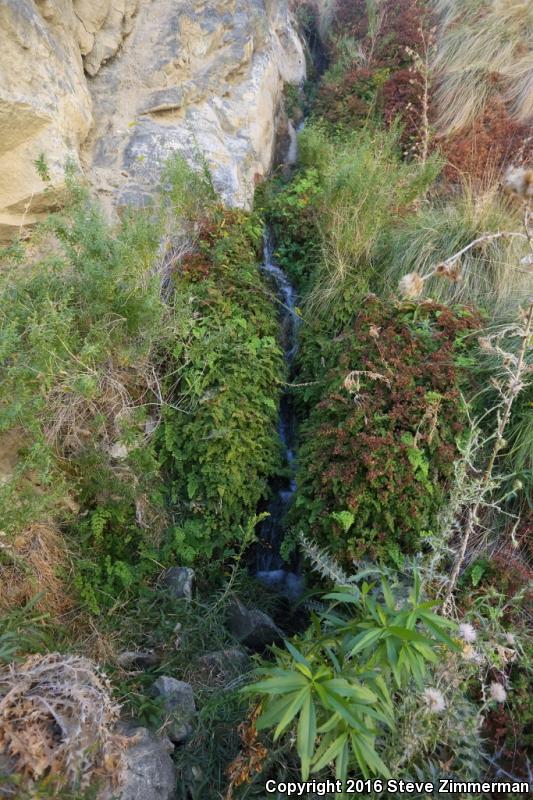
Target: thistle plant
{"points": [[422, 71], [322, 562], [515, 369]]}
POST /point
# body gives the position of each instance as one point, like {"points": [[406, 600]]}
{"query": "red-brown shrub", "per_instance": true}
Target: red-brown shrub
{"points": [[379, 445], [492, 142], [402, 99]]}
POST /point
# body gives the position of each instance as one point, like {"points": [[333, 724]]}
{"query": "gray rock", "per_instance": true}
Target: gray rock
{"points": [[287, 584], [221, 666], [163, 100], [138, 659], [252, 627], [179, 580], [178, 702], [132, 196], [148, 770]]}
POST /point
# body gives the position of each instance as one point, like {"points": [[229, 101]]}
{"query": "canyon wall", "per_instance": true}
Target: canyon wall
{"points": [[116, 86]]}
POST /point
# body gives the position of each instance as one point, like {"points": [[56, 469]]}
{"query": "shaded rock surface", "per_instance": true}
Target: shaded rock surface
{"points": [[179, 582], [252, 627], [120, 85], [148, 772], [178, 702], [221, 666]]}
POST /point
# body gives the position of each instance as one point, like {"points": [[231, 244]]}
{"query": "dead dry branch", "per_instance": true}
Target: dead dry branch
{"points": [[57, 718]]}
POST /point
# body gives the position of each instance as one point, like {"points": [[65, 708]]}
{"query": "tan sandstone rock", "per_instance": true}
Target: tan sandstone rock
{"points": [[146, 78], [195, 77], [45, 105]]}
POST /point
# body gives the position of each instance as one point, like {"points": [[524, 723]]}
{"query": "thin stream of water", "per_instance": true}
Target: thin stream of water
{"points": [[271, 569]]}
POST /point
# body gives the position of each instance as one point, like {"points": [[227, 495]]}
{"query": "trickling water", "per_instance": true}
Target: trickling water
{"points": [[269, 562], [292, 152]]}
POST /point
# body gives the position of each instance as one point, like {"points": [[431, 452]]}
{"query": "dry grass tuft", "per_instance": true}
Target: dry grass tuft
{"points": [[34, 561], [57, 719], [96, 403], [485, 51]]}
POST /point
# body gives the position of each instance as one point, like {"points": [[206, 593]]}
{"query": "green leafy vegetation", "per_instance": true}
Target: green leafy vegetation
{"points": [[82, 329], [218, 438], [379, 443], [339, 679], [107, 383], [142, 370]]}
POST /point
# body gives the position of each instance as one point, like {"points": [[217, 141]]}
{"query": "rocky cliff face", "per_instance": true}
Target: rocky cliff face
{"points": [[117, 86]]}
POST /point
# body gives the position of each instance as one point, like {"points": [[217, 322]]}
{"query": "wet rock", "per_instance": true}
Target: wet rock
{"points": [[286, 584], [178, 702], [222, 666], [179, 581], [138, 659], [148, 772], [252, 627]]}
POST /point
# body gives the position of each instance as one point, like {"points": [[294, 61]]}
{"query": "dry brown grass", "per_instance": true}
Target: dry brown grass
{"points": [[35, 561], [57, 719], [97, 403]]}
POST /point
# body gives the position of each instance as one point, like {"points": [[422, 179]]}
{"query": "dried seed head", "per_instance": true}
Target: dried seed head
{"points": [[519, 181], [467, 632], [434, 700], [411, 285], [452, 270], [498, 693], [485, 344]]}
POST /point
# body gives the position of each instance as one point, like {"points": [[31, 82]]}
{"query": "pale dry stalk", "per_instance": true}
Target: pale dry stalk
{"points": [[509, 394]]}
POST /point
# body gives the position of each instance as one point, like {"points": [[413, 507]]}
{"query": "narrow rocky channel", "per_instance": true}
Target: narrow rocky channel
{"points": [[269, 561]]}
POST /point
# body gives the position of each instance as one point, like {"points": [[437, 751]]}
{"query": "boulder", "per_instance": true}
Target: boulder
{"points": [[193, 78], [221, 666], [179, 581], [252, 627], [147, 772], [116, 87], [45, 106], [178, 702]]}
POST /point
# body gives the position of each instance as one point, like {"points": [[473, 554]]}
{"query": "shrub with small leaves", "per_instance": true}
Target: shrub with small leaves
{"points": [[380, 441]]}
